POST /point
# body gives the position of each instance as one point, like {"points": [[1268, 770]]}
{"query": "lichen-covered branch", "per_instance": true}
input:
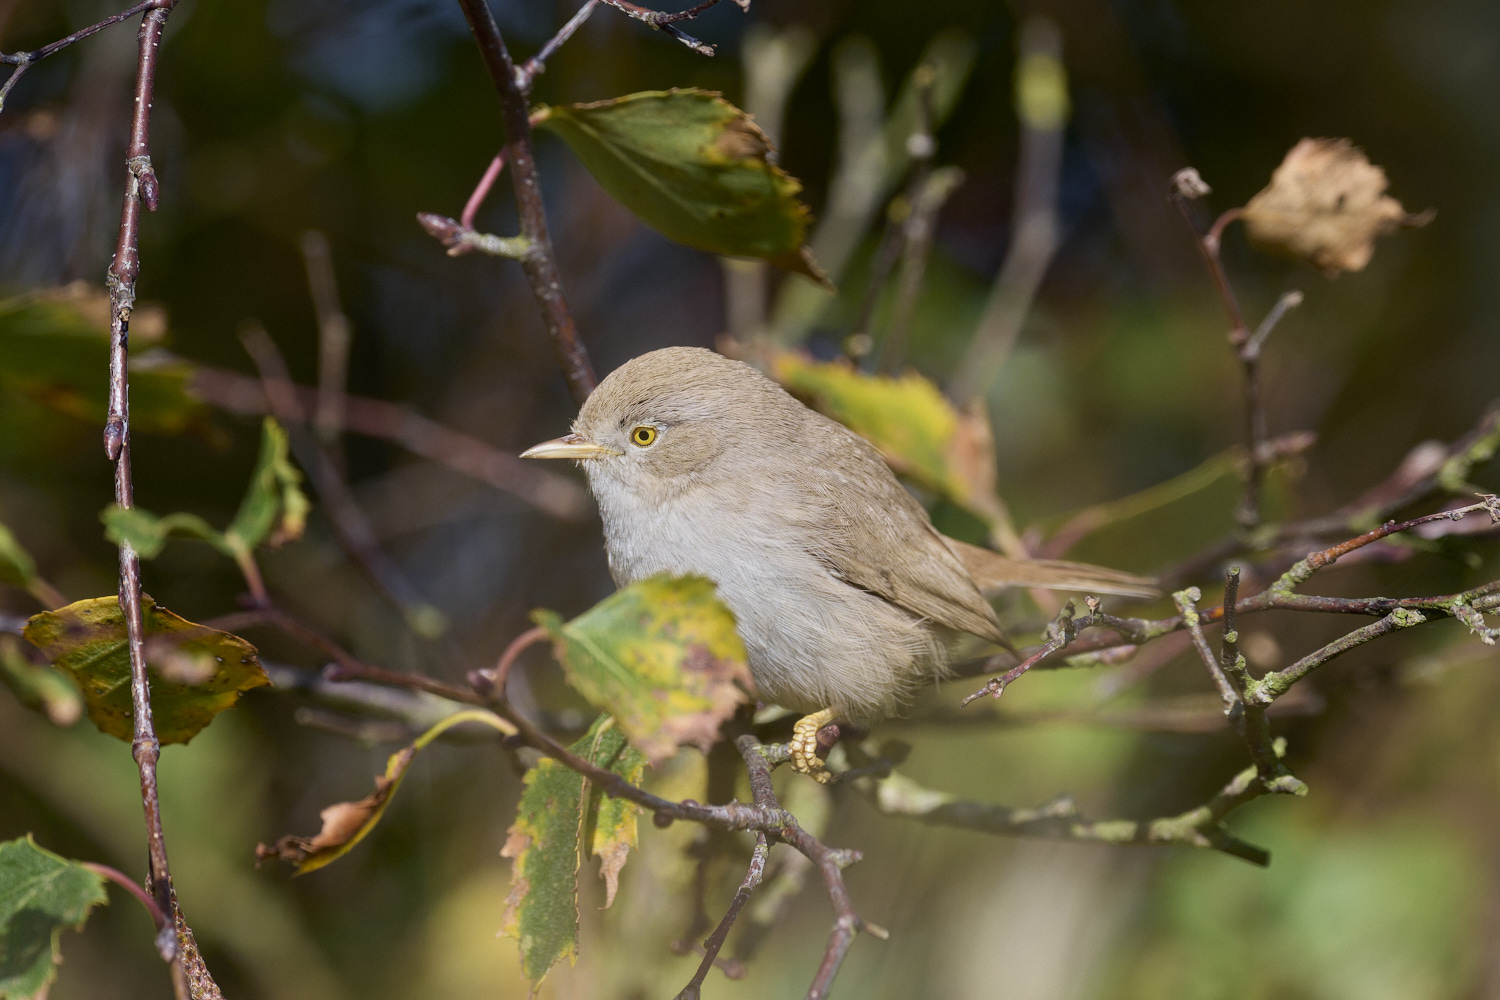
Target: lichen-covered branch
{"points": [[1201, 827]]}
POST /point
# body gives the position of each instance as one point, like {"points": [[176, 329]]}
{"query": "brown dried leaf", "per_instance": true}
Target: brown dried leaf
{"points": [[344, 823], [1326, 204]]}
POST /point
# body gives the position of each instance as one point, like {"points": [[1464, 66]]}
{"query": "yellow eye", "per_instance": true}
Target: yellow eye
{"points": [[643, 435]]}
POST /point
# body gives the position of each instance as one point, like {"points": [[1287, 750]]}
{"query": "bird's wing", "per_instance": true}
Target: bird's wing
{"points": [[992, 571], [873, 534]]}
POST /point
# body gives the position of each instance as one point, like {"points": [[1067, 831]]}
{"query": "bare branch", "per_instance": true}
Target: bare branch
{"points": [[1249, 719], [540, 263], [140, 189], [715, 943], [537, 64], [22, 61]]}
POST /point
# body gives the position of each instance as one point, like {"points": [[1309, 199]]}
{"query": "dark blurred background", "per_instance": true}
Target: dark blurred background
{"points": [[276, 117]]}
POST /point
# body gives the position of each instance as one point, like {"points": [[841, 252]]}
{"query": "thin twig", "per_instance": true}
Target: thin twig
{"points": [[715, 943], [1249, 719], [537, 64], [1188, 186], [1399, 612], [131, 886], [481, 191], [665, 21], [540, 263], [140, 189], [22, 61]]}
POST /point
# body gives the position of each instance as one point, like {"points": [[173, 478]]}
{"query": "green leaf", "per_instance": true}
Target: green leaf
{"points": [[147, 533], [39, 686], [918, 431], [615, 831], [41, 895], [662, 656], [54, 346], [16, 565], [198, 672], [346, 823], [274, 505], [693, 167], [554, 818]]}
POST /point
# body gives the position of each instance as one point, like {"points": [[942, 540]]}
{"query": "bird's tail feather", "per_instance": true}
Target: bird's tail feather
{"points": [[992, 571]]}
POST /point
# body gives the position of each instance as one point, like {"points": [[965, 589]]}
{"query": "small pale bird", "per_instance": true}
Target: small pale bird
{"points": [[846, 597]]}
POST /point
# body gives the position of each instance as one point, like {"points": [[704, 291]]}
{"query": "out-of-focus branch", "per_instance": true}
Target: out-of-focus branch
{"points": [[1042, 106], [350, 525], [774, 61], [872, 158], [140, 189], [333, 338], [539, 263], [916, 248], [555, 495]]}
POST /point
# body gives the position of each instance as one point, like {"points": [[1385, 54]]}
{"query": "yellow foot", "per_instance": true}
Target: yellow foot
{"points": [[804, 746]]}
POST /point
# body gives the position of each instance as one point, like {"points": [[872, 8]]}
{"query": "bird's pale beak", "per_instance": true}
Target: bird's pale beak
{"points": [[572, 446]]}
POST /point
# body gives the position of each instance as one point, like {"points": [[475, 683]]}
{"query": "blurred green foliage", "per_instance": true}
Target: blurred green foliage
{"points": [[273, 118]]}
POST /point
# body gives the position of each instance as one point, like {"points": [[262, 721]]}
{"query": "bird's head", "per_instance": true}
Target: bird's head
{"points": [[674, 413]]}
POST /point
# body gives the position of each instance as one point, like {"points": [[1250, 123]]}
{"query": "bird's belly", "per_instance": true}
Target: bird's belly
{"points": [[812, 640]]}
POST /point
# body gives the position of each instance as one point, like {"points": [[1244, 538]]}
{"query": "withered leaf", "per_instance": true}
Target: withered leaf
{"points": [[558, 822], [346, 823], [87, 640], [1326, 204], [662, 656]]}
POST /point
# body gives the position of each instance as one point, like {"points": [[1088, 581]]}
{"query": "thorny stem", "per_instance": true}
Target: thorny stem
{"points": [[140, 188], [540, 263]]}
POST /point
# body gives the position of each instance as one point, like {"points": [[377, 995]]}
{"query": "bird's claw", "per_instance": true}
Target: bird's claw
{"points": [[804, 746]]}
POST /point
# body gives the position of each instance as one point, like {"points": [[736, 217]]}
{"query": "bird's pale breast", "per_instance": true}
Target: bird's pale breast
{"points": [[813, 640]]}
